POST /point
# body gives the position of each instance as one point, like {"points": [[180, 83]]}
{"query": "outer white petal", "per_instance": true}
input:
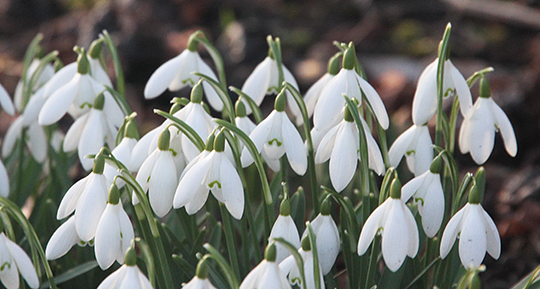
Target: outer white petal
{"points": [[131, 279], [162, 184], [325, 146], [191, 182], [433, 208], [285, 228], [73, 135], [375, 101], [12, 135], [58, 103], [24, 264], [423, 152], [5, 101], [425, 97], [163, 76], [493, 238], [4, 181], [259, 136], [184, 77], [37, 142], [395, 237], [126, 229], [462, 89], [198, 201], [112, 110], [141, 149], [258, 82], [10, 276], [401, 146], [252, 278], [507, 131], [98, 73], [112, 281], [70, 199], [197, 283], [328, 241], [211, 94], [144, 173], [90, 206], [294, 146], [107, 239], [62, 240], [473, 239], [271, 278], [92, 138], [34, 105], [372, 225], [232, 189], [343, 160], [481, 131], [375, 159], [331, 101], [412, 231], [412, 186], [314, 92], [451, 231], [60, 78]]}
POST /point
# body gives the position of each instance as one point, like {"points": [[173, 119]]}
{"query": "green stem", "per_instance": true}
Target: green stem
{"points": [[252, 105], [228, 272], [120, 85], [364, 163], [185, 128], [275, 46], [375, 248], [216, 57], [443, 52], [229, 237]]}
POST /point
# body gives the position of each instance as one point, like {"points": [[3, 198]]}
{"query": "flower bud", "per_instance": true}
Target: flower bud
{"points": [[270, 253], [281, 101], [131, 130], [475, 196], [192, 43], [348, 115], [164, 140]]}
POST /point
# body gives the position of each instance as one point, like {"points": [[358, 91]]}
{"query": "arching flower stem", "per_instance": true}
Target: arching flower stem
{"points": [[444, 51]]}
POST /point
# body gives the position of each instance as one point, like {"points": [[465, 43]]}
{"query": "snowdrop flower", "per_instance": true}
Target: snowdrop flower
{"points": [[346, 82], [158, 176], [285, 228], [88, 199], [45, 75], [89, 133], [429, 196], [476, 230], [5, 101], [114, 232], [242, 120], [395, 222], [267, 274], [127, 276], [123, 152], [341, 145], [35, 139], [200, 281], [14, 261], [265, 80], [275, 136], [4, 180], [72, 97], [314, 92], [289, 267], [327, 237], [415, 143], [477, 134], [211, 171], [425, 97], [62, 240], [178, 72]]}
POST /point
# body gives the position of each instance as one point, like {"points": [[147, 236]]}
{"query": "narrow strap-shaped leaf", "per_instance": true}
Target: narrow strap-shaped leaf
{"points": [[421, 274], [73, 273], [225, 267], [297, 258], [316, 267]]}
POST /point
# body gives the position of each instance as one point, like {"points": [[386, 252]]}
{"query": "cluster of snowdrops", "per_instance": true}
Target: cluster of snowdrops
{"points": [[124, 206]]}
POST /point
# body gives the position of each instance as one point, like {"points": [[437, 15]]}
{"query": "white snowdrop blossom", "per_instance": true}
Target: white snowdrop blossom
{"points": [[200, 281], [327, 238], [265, 80], [477, 134], [415, 143], [4, 180], [267, 274], [13, 260], [346, 82], [114, 232], [211, 171], [35, 139], [157, 175], [477, 234], [427, 192], [123, 153], [425, 97], [74, 97], [5, 101], [341, 145], [395, 222], [45, 75], [62, 240], [275, 136], [284, 227], [89, 133], [127, 276], [289, 267], [178, 72], [88, 199]]}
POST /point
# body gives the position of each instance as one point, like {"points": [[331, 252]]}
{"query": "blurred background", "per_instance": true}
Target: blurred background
{"points": [[395, 41]]}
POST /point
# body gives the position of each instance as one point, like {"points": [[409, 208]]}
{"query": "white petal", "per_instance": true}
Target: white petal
{"points": [[413, 232], [376, 102], [285, 228], [294, 146], [232, 189], [5, 101], [162, 184], [412, 186], [473, 239], [62, 240], [259, 136], [141, 149], [395, 236], [4, 181], [331, 101], [184, 75], [343, 161], [90, 207], [507, 131], [325, 146], [312, 95], [24, 264], [211, 94], [92, 138], [258, 82], [462, 89], [451, 231], [112, 110], [252, 278], [433, 208], [126, 229], [10, 276], [376, 162], [60, 78], [371, 226], [493, 238], [131, 279], [191, 182], [163, 76], [111, 282], [34, 105], [107, 239], [198, 200], [70, 199], [481, 131], [37, 142], [328, 241], [98, 73], [12, 135], [401, 146], [58, 103], [425, 97], [423, 152], [73, 135]]}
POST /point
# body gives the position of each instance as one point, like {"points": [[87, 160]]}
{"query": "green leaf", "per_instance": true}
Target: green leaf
{"points": [[299, 261], [120, 86], [72, 273], [225, 267]]}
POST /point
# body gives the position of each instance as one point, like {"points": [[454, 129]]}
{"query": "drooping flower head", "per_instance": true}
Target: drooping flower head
{"points": [[284, 227], [267, 274], [177, 73], [395, 223], [415, 144], [289, 267], [477, 134], [5, 101], [425, 97], [276, 136], [127, 276], [346, 82], [200, 281], [14, 260]]}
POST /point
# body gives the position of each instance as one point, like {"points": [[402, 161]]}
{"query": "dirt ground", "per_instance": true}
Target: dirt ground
{"points": [[395, 40]]}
